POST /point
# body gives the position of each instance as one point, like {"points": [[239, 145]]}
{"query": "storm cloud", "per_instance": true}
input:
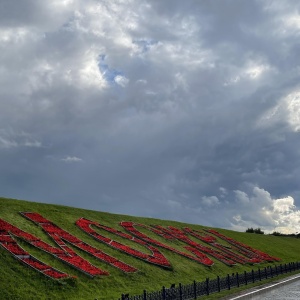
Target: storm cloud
{"points": [[183, 110]]}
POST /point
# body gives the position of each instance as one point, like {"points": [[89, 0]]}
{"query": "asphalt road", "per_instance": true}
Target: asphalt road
{"points": [[290, 291], [285, 289]]}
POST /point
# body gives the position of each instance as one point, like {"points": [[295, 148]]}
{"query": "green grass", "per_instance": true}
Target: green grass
{"points": [[20, 282]]}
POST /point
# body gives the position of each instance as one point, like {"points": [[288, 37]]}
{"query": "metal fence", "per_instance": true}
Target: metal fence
{"points": [[209, 286]]}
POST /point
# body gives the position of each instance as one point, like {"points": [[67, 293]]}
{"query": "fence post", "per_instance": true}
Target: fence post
{"points": [[253, 279], [237, 279], [195, 290], [285, 268], [259, 275], [207, 286], [245, 274], [145, 295], [281, 269], [266, 273], [271, 272], [228, 281], [163, 292], [123, 297], [180, 291], [218, 282]]}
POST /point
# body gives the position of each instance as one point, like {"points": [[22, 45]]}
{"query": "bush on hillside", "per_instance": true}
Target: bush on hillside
{"points": [[256, 230]]}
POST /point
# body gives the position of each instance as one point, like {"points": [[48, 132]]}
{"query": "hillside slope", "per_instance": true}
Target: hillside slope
{"points": [[18, 281]]}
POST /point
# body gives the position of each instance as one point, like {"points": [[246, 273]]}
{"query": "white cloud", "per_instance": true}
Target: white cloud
{"points": [[259, 209], [255, 71], [70, 159], [89, 71], [141, 81], [15, 35], [11, 139], [252, 71], [223, 191], [287, 110], [292, 102], [241, 197], [5, 143], [289, 24], [284, 205], [210, 201], [121, 80], [35, 144]]}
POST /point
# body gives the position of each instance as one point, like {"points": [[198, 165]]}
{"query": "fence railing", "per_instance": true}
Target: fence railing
{"points": [[209, 286]]}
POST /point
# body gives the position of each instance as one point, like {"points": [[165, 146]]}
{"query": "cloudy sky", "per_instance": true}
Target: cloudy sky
{"points": [[182, 110]]}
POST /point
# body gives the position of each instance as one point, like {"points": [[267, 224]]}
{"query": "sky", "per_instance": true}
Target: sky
{"points": [[180, 110]]}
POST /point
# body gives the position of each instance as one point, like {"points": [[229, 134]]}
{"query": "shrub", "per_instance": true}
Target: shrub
{"points": [[256, 230]]}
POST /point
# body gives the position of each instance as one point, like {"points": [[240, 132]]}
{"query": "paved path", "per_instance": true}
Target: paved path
{"points": [[285, 289], [289, 291]]}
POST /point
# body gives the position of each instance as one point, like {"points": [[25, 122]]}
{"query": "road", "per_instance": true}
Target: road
{"points": [[290, 291], [285, 289]]}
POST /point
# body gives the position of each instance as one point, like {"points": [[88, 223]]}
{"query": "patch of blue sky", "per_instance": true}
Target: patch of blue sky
{"points": [[144, 44], [108, 73]]}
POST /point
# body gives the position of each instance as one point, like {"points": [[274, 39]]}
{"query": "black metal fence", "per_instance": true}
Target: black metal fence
{"points": [[209, 286]]}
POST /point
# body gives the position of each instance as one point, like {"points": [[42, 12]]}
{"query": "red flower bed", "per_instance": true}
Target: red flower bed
{"points": [[7, 242], [129, 226], [85, 226], [36, 264], [14, 248], [200, 255], [101, 237], [205, 238], [83, 265], [230, 255], [55, 274], [126, 268], [6, 228], [156, 258], [128, 250], [246, 250], [107, 258], [69, 255], [48, 248], [34, 217], [88, 248], [159, 230], [5, 239]]}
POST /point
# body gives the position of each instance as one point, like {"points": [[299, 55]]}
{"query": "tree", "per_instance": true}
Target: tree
{"points": [[256, 230]]}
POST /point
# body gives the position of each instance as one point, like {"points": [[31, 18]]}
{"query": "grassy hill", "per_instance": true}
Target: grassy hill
{"points": [[20, 282]]}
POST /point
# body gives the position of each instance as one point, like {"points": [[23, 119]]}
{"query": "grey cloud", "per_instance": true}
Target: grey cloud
{"points": [[32, 13], [168, 109]]}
